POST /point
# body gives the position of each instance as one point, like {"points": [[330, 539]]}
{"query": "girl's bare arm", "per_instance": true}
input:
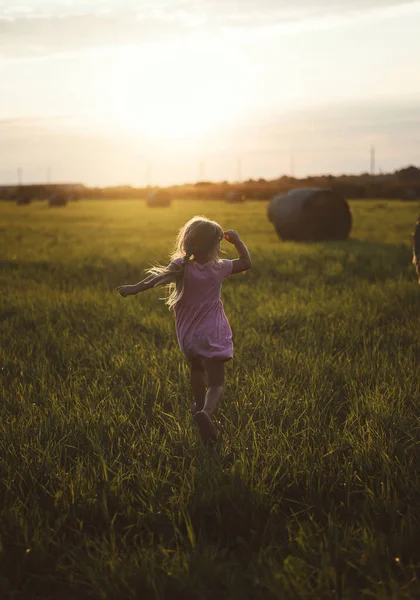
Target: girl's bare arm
{"points": [[141, 286], [145, 284], [243, 263]]}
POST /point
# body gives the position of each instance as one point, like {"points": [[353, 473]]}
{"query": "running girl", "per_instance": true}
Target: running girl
{"points": [[195, 276]]}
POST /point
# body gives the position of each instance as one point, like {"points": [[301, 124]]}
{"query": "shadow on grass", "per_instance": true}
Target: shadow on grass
{"points": [[7, 314], [233, 537]]}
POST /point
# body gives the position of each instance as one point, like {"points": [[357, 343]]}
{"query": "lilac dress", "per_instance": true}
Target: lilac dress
{"points": [[201, 325]]}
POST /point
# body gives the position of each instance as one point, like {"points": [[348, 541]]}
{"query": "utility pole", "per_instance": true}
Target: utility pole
{"points": [[372, 160], [201, 170], [292, 164], [148, 175], [238, 170], [48, 175], [19, 176]]}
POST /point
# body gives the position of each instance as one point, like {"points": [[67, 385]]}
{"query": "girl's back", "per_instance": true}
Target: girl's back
{"points": [[203, 282], [201, 324]]}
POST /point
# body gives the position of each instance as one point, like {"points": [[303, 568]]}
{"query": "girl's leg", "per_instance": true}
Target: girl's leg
{"points": [[198, 383], [215, 371]]}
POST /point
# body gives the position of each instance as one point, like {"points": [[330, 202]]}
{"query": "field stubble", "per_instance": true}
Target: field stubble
{"points": [[313, 490]]}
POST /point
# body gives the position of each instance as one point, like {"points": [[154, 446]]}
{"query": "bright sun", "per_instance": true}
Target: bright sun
{"points": [[173, 93]]}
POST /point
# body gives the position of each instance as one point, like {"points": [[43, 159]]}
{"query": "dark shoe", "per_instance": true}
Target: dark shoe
{"points": [[205, 426]]}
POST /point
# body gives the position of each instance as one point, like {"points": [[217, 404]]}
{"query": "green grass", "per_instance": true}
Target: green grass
{"points": [[313, 490]]}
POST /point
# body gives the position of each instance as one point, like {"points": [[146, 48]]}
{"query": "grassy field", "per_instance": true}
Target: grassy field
{"points": [[313, 490]]}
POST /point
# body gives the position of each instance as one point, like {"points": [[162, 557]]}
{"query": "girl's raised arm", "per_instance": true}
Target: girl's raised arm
{"points": [[243, 263]]}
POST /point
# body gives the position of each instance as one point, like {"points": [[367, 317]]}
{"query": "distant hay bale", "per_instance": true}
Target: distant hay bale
{"points": [[59, 199], [158, 198], [21, 201], [416, 247], [310, 214], [235, 197], [410, 194]]}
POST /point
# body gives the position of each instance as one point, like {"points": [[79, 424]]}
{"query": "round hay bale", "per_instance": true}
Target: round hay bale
{"points": [[21, 201], [310, 214], [59, 199], [235, 197], [158, 198]]}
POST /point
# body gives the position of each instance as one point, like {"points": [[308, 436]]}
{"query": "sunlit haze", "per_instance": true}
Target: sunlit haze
{"points": [[163, 92]]}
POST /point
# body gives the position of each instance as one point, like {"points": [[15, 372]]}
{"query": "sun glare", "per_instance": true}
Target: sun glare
{"points": [[176, 93]]}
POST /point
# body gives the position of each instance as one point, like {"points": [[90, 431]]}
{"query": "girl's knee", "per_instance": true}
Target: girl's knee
{"points": [[196, 364], [215, 389], [215, 371]]}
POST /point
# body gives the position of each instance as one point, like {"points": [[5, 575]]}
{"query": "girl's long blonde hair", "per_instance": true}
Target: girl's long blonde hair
{"points": [[198, 238]]}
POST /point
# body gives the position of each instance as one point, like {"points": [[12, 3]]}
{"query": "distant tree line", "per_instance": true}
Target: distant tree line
{"points": [[23, 193], [403, 184]]}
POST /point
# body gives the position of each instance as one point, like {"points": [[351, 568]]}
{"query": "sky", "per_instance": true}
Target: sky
{"points": [[161, 92]]}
